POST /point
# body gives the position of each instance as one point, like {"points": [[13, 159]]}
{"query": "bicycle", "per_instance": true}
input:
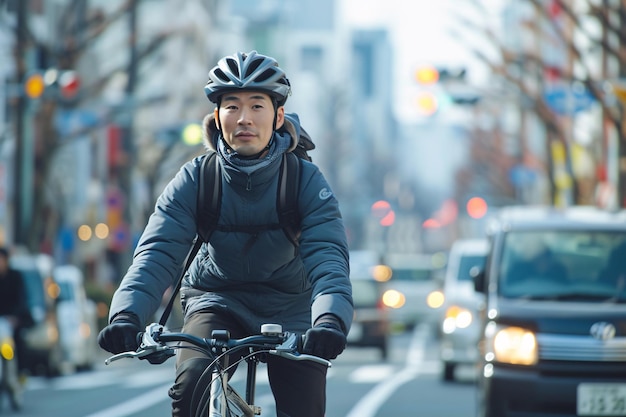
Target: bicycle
{"points": [[9, 374], [215, 401]]}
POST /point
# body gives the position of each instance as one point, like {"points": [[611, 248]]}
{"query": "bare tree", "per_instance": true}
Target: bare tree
{"points": [[534, 68]]}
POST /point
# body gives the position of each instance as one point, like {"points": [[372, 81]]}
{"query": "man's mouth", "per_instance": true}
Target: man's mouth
{"points": [[244, 133]]}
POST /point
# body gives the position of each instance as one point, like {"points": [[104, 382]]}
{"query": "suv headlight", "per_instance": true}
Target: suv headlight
{"points": [[511, 344]]}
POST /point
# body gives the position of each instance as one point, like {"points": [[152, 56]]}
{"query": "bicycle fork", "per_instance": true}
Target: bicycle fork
{"points": [[224, 400]]}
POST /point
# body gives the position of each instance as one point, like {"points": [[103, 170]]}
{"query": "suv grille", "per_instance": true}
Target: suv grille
{"points": [[581, 348]]}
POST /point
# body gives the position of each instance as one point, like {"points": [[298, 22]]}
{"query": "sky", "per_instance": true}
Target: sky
{"points": [[422, 33]]}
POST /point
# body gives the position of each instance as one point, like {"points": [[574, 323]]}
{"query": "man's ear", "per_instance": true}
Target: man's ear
{"points": [[216, 114], [280, 117]]}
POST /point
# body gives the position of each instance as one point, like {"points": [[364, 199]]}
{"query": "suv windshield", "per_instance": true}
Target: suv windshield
{"points": [[564, 265]]}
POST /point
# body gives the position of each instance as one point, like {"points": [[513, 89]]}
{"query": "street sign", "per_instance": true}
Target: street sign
{"points": [[567, 100]]}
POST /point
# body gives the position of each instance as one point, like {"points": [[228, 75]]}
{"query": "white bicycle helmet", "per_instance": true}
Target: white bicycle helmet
{"points": [[251, 71]]}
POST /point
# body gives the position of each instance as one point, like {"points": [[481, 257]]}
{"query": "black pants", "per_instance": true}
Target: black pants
{"points": [[299, 388]]}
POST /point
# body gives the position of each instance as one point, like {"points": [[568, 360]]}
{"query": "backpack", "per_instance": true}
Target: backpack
{"points": [[209, 204]]}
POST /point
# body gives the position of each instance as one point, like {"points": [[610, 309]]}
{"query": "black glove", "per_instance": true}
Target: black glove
{"points": [[326, 339], [121, 334]]}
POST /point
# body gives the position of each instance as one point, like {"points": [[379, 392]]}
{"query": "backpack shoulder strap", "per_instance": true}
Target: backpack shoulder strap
{"points": [[287, 197], [209, 196], [207, 217]]}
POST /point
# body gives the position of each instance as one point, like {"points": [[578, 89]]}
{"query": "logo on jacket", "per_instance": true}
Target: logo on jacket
{"points": [[325, 193], [602, 330]]}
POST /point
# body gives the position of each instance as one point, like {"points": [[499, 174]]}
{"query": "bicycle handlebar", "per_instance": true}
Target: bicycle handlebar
{"points": [[154, 343]]}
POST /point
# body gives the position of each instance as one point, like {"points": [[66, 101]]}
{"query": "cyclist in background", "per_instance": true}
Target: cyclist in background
{"points": [[241, 280], [14, 308]]}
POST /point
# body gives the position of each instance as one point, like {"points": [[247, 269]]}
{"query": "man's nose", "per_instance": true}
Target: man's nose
{"points": [[244, 118]]}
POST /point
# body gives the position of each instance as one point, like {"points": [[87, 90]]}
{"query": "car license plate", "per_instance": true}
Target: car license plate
{"points": [[601, 399]]}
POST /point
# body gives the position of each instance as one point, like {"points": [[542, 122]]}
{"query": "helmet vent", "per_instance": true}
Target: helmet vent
{"points": [[265, 75], [253, 66], [233, 67], [221, 75]]}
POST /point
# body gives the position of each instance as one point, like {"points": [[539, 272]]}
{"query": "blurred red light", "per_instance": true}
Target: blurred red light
{"points": [[476, 207]]}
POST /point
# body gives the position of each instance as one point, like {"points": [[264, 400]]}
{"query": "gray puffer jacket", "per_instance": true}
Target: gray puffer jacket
{"points": [[259, 281]]}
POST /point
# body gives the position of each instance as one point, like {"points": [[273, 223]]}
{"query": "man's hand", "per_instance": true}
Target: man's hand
{"points": [[326, 339], [121, 335]]}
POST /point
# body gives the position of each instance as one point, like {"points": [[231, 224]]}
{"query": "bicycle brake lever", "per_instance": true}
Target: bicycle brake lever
{"points": [[123, 355], [149, 348], [159, 353], [301, 357]]}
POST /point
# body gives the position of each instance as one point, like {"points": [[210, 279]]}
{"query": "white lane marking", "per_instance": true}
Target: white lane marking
{"points": [[373, 400], [142, 402], [149, 378], [85, 381], [371, 373]]}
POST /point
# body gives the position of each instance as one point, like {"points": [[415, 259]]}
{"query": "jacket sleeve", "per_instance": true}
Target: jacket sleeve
{"points": [[324, 248], [161, 251]]}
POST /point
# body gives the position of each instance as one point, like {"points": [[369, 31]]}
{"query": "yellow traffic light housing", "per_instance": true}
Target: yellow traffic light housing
{"points": [[34, 86], [427, 103], [427, 75]]}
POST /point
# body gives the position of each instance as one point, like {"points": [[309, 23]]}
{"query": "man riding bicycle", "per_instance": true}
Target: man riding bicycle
{"points": [[240, 280]]}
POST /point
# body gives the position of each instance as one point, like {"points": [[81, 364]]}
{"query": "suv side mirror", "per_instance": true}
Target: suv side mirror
{"points": [[478, 275]]}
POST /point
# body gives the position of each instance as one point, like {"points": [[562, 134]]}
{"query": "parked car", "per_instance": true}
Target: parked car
{"points": [[370, 325], [41, 353], [413, 289], [554, 338], [77, 319], [460, 328]]}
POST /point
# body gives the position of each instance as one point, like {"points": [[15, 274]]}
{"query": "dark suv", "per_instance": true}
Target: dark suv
{"points": [[554, 320]]}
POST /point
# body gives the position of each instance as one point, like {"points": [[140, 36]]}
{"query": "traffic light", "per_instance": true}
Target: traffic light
{"points": [[427, 103], [427, 75], [34, 85], [69, 85], [64, 85]]}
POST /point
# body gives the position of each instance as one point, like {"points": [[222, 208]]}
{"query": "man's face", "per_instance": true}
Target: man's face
{"points": [[247, 120]]}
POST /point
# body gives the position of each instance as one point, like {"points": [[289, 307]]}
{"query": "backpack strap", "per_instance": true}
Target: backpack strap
{"points": [[287, 198], [207, 219], [209, 196]]}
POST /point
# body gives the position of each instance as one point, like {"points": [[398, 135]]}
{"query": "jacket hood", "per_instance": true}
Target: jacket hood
{"points": [[210, 133]]}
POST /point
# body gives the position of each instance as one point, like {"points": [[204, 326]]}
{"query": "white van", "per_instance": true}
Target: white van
{"points": [[460, 329], [77, 318]]}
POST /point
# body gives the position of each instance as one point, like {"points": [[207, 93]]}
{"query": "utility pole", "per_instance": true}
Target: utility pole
{"points": [[127, 140], [22, 211], [621, 193]]}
